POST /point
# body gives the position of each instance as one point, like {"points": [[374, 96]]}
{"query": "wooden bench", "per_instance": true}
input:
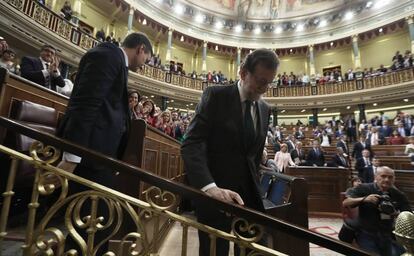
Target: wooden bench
{"points": [[404, 181], [388, 150], [325, 185], [396, 162]]}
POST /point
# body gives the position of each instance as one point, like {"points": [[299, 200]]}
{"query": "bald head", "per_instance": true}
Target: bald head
{"points": [[385, 177]]}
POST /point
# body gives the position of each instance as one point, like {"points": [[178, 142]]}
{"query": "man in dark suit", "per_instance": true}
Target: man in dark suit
{"points": [[340, 159], [342, 144], [298, 154], [368, 173], [97, 116], [43, 70], [364, 162], [315, 155], [290, 142], [360, 146], [385, 129], [350, 127], [225, 141], [375, 138]]}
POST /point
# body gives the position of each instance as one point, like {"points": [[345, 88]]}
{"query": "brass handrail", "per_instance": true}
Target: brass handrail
{"points": [[176, 188]]}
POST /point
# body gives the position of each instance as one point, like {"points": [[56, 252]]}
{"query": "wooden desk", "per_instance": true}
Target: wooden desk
{"points": [[324, 185]]}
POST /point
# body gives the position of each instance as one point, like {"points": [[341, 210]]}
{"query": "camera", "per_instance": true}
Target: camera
{"points": [[385, 205]]}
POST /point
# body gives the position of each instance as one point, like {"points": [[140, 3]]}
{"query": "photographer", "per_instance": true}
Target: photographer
{"points": [[379, 204]]}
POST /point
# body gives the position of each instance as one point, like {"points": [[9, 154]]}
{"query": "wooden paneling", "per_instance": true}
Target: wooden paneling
{"points": [[325, 185], [404, 181]]}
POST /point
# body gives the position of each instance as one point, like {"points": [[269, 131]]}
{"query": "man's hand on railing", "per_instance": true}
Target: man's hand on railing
{"points": [[225, 195]]}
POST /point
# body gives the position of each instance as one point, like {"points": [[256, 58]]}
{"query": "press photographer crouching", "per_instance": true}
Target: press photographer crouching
{"points": [[379, 204]]}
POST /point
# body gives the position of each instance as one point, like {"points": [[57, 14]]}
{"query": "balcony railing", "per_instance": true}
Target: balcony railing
{"points": [[71, 33]]}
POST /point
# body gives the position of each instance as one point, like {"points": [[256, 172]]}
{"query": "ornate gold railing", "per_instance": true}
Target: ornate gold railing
{"points": [[45, 237]]}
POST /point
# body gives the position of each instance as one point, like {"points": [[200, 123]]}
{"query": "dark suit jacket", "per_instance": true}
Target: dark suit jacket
{"points": [[368, 174], [299, 135], [97, 115], [344, 146], [386, 131], [213, 150], [295, 154], [360, 166], [312, 158], [358, 148], [31, 69], [381, 139], [336, 162]]}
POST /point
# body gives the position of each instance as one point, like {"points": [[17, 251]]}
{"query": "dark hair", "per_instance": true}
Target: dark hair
{"points": [[47, 46], [355, 179], [9, 51], [135, 39], [132, 92], [151, 114], [265, 57]]}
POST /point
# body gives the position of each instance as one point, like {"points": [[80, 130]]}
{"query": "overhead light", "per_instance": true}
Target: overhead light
{"points": [[278, 30], [303, 110], [380, 30], [238, 28], [324, 109], [199, 18], [182, 39], [191, 104], [250, 51], [152, 96], [332, 43], [257, 30], [375, 104], [369, 4], [381, 3], [167, 101], [405, 100], [219, 25], [349, 15], [323, 23], [144, 22], [283, 111], [179, 9], [348, 107], [171, 100], [291, 50], [216, 48], [300, 27]]}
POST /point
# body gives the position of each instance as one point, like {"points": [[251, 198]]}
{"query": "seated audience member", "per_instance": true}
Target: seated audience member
{"points": [[66, 11], [134, 104], [165, 124], [382, 69], [290, 142], [340, 131], [409, 149], [375, 138], [43, 70], [299, 135], [283, 158], [147, 112], [315, 156], [385, 129], [363, 127], [3, 45], [340, 159], [325, 139], [396, 139], [364, 162], [375, 221], [266, 163], [298, 154], [7, 61], [180, 130], [343, 144]]}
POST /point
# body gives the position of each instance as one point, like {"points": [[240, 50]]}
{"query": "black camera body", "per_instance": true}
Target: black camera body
{"points": [[385, 205]]}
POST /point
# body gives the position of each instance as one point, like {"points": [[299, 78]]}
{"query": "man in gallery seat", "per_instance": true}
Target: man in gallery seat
{"points": [[379, 204], [43, 70], [98, 117], [315, 155], [225, 142]]}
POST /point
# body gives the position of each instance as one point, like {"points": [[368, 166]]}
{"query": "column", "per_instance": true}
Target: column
{"points": [[410, 22], [238, 60], [204, 58], [355, 52], [311, 60], [274, 113], [362, 116], [77, 11], [164, 103], [315, 117], [169, 44], [130, 19]]}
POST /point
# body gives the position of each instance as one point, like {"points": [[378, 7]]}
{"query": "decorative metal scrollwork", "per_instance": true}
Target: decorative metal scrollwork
{"points": [[250, 233], [159, 199], [44, 154]]}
